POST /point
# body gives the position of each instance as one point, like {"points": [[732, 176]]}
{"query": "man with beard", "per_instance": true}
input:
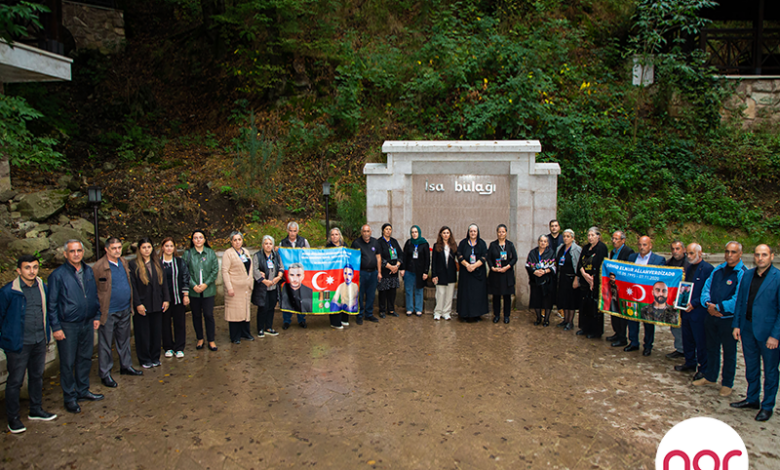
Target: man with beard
{"points": [[297, 297], [694, 345], [660, 311], [620, 252]]}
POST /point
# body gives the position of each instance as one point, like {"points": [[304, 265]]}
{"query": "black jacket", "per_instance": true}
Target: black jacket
{"points": [[445, 269], [384, 251], [624, 253], [418, 266], [177, 275], [259, 265], [67, 301], [151, 295]]}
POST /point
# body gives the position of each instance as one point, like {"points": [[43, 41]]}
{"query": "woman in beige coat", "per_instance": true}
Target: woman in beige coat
{"points": [[237, 276]]}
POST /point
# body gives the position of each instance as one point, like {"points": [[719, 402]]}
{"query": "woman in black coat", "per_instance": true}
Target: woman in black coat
{"points": [[391, 253], [150, 299], [268, 273], [472, 287], [177, 276], [540, 265], [444, 272], [501, 259], [593, 254], [417, 262]]}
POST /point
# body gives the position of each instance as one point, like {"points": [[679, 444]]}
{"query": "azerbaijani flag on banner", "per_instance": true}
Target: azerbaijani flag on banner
{"points": [[320, 281], [640, 293]]}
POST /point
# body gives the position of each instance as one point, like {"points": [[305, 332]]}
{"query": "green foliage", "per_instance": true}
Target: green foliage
{"points": [[256, 163], [22, 147], [351, 208], [133, 143], [14, 19]]}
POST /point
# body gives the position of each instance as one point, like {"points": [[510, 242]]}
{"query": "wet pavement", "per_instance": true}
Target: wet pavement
{"points": [[407, 393]]}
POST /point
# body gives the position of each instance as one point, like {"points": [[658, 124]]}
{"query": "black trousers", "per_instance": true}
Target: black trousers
{"points": [[719, 333], [497, 305], [619, 326], [337, 318], [176, 339], [265, 315], [148, 337], [238, 330], [30, 359], [591, 318], [75, 353], [387, 300], [203, 307]]}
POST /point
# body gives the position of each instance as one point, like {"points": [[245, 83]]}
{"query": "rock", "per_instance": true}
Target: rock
{"points": [[43, 204], [16, 215], [108, 166], [43, 228], [27, 225], [83, 226], [126, 248], [19, 197], [7, 195], [64, 180], [63, 234], [32, 233], [63, 219], [29, 246], [14, 206]]}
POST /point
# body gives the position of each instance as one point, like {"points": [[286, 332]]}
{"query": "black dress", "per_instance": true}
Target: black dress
{"points": [[472, 286], [502, 283], [569, 298], [542, 289], [391, 255], [591, 318]]}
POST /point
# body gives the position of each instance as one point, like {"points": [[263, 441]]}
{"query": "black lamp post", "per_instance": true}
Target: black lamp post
{"points": [[326, 193], [95, 198]]}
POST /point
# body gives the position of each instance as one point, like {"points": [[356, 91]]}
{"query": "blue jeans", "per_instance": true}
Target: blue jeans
{"points": [[414, 296], [75, 359], [30, 359], [756, 351], [366, 293]]}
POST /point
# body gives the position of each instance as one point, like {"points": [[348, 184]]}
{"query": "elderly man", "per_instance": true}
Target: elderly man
{"points": [[620, 252], [719, 296], [678, 259], [757, 323], [694, 343], [73, 311], [370, 259], [112, 276], [644, 257], [293, 240], [24, 334]]}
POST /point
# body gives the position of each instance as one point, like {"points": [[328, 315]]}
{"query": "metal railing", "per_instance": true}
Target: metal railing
{"points": [[743, 51]]}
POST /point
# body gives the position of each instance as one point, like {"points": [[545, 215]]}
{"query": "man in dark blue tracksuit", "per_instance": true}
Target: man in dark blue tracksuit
{"points": [[719, 296]]}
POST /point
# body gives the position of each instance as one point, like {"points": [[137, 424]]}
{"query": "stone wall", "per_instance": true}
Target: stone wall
{"points": [[94, 27], [757, 99]]}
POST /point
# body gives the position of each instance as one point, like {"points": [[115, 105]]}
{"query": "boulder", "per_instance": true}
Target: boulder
{"points": [[43, 204], [27, 225], [7, 195], [29, 246], [83, 226], [61, 235], [63, 219], [64, 180]]}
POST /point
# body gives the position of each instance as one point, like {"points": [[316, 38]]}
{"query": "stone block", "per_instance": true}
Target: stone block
{"points": [[750, 110], [43, 204], [766, 86], [63, 234], [29, 246], [7, 195], [765, 99], [83, 226]]}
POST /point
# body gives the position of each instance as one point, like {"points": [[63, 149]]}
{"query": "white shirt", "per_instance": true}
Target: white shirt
{"points": [[446, 253], [643, 260]]}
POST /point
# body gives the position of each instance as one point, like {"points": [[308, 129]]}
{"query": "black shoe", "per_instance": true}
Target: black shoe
{"points": [[382, 315], [372, 319], [130, 371], [619, 343], [238, 341], [561, 324], [647, 352], [285, 326], [537, 322], [89, 396], [302, 324], [15, 426], [546, 323], [506, 319], [612, 338], [41, 415], [213, 349], [496, 319], [698, 376], [684, 368], [249, 337], [593, 336], [72, 407], [359, 321], [631, 347], [675, 355], [393, 314], [764, 415], [746, 404], [200, 346], [108, 381], [569, 326]]}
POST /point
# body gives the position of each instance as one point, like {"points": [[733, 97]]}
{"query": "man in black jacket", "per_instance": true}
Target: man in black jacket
{"points": [[620, 252], [73, 311]]}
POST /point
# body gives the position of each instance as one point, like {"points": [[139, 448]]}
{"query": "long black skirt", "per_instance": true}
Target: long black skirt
{"points": [[541, 297], [569, 298], [472, 295]]}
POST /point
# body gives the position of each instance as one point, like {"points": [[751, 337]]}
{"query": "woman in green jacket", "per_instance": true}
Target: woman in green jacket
{"points": [[204, 269]]}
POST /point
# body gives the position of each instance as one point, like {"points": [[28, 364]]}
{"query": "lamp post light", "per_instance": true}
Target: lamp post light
{"points": [[95, 198], [326, 193]]}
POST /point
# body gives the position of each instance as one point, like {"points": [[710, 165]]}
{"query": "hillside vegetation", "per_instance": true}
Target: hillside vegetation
{"points": [[223, 113]]}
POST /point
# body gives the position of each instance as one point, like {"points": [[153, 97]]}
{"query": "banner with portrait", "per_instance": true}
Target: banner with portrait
{"points": [[320, 281], [640, 293]]}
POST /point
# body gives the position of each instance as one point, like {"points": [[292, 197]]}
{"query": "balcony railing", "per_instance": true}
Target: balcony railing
{"points": [[743, 51]]}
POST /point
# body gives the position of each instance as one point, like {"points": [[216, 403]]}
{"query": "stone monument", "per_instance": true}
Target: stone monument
{"points": [[457, 183]]}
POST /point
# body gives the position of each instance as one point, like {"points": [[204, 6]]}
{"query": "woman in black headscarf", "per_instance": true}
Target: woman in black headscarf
{"points": [[472, 287], [417, 262], [540, 265]]}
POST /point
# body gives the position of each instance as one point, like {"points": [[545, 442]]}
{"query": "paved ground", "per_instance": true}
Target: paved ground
{"points": [[407, 393]]}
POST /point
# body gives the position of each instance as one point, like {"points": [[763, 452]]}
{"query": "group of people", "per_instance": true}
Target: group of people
{"points": [[728, 303]]}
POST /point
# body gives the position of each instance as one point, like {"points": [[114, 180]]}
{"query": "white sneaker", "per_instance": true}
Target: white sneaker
{"points": [[180, 354], [339, 327], [447, 317], [437, 317], [345, 323], [169, 353]]}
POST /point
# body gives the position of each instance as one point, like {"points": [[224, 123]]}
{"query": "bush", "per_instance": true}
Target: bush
{"points": [[351, 208]]}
